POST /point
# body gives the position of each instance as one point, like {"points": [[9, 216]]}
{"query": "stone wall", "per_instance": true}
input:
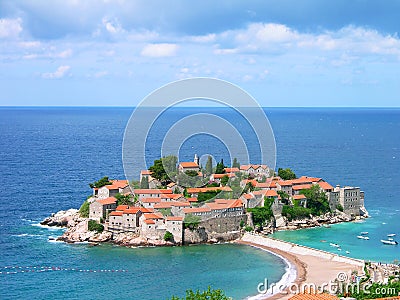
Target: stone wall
{"points": [[222, 225]]}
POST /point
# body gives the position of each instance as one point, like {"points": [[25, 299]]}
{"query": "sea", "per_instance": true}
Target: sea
{"points": [[49, 155]]}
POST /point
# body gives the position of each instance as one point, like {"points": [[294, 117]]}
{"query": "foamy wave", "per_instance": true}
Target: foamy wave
{"points": [[52, 228], [26, 234], [287, 278]]}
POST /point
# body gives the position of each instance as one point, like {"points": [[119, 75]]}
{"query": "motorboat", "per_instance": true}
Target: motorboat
{"points": [[387, 242], [361, 237]]}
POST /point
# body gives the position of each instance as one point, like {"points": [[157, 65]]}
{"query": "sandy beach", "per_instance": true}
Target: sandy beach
{"points": [[313, 267]]}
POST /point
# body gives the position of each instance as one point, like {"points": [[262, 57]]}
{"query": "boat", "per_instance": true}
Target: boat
{"points": [[386, 242], [391, 235], [361, 237], [334, 245], [364, 233]]}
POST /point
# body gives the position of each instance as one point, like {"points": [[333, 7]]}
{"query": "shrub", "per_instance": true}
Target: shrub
{"points": [[339, 207], [168, 236], [84, 210], [94, 226], [248, 228], [295, 212], [203, 295]]}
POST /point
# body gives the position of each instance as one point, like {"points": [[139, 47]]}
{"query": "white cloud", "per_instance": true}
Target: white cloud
{"points": [[10, 28], [64, 54], [59, 73], [279, 38], [159, 50]]}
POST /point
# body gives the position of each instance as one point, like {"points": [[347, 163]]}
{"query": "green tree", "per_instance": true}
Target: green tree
{"points": [[224, 180], [144, 183], [317, 200], [84, 209], [235, 163], [209, 165], [209, 294], [286, 174], [123, 199], [94, 226], [295, 212], [164, 169], [220, 169], [248, 228], [191, 221], [168, 236], [101, 182]]}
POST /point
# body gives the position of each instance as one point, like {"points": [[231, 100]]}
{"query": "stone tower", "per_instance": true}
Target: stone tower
{"points": [[196, 159]]}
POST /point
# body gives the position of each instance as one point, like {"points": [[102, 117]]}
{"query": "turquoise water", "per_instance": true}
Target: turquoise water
{"points": [[49, 155]]}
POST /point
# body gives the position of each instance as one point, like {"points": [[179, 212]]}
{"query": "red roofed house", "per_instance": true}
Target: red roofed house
{"points": [[174, 225], [110, 190], [99, 208], [150, 193]]}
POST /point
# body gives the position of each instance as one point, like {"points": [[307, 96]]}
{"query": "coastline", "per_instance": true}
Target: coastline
{"points": [[312, 267]]}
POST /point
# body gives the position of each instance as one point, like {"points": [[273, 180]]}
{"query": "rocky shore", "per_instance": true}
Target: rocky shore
{"points": [[77, 230]]}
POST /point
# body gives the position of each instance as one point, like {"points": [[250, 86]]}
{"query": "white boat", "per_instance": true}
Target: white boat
{"points": [[391, 235], [334, 245], [386, 242], [364, 233], [361, 237]]}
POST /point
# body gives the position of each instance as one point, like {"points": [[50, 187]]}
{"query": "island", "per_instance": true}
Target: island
{"points": [[183, 203]]}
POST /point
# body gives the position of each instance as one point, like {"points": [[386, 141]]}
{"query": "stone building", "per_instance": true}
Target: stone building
{"points": [[99, 208]]}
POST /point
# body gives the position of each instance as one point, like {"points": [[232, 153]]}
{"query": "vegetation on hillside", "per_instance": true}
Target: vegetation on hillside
{"points": [[84, 209], [209, 294], [191, 221], [94, 226], [100, 183], [164, 169], [286, 174], [262, 215]]}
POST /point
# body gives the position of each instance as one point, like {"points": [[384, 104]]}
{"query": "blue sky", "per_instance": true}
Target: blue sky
{"points": [[284, 53]]}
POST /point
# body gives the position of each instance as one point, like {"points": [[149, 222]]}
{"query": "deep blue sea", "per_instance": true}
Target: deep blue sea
{"points": [[49, 155]]}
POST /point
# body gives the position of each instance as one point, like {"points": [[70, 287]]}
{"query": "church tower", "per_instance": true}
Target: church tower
{"points": [[196, 160]]}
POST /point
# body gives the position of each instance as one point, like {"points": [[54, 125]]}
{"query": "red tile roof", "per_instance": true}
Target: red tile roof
{"points": [[189, 164], [209, 189], [162, 205], [232, 170], [132, 210], [153, 216], [173, 218], [271, 193], [151, 191], [109, 200], [117, 184], [180, 203], [122, 207], [146, 172], [302, 186], [151, 200], [191, 210], [325, 186], [116, 213], [314, 296]]}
